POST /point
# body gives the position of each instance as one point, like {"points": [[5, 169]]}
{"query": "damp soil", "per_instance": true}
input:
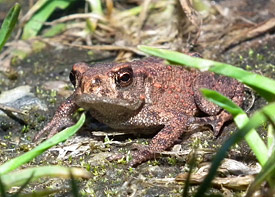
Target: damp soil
{"points": [[152, 178]]}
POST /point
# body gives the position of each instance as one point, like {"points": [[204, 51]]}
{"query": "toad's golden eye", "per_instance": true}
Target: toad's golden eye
{"points": [[124, 77]]}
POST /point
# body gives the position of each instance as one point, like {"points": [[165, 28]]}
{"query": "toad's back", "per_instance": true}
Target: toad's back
{"points": [[171, 87]]}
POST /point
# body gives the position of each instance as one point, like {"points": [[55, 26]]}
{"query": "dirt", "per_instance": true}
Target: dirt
{"points": [[153, 178]]}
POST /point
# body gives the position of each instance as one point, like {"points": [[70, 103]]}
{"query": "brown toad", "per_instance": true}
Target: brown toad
{"points": [[147, 97]]}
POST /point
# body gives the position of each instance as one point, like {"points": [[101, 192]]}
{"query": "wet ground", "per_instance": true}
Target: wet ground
{"points": [[44, 75]]}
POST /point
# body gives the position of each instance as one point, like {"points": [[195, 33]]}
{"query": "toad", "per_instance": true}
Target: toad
{"points": [[146, 97]]}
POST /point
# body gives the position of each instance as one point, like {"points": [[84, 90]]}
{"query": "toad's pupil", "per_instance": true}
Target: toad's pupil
{"points": [[125, 77]]}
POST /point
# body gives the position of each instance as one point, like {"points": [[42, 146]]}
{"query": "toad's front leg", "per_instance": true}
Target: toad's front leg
{"points": [[162, 141], [61, 119]]}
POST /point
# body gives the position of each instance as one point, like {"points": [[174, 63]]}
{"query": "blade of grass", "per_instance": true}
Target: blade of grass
{"points": [[267, 171], [132, 11], [74, 186], [39, 4], [27, 181], [59, 137], [270, 137], [252, 137], [18, 178], [41, 193], [263, 85], [187, 182], [34, 25], [255, 121], [96, 6], [271, 134], [2, 188], [8, 24], [55, 30]]}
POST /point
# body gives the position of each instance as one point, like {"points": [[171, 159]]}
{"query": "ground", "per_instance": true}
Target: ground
{"points": [[50, 68]]}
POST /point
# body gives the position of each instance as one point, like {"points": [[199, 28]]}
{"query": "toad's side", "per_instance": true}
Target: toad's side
{"points": [[145, 96]]}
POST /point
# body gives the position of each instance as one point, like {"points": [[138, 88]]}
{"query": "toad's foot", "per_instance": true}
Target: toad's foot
{"points": [[62, 119], [165, 139], [143, 154], [216, 122]]}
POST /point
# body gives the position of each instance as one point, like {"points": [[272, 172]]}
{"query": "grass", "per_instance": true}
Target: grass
{"points": [[8, 176], [18, 178], [59, 137], [263, 86], [43, 9], [12, 178], [8, 24]]}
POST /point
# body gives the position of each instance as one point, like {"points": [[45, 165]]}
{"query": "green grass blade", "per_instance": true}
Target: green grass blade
{"points": [[41, 193], [255, 121], [191, 168], [267, 171], [252, 138], [270, 137], [8, 24], [271, 134], [96, 6], [34, 25], [23, 186], [74, 186], [222, 101], [18, 178], [2, 188], [59, 137], [55, 30], [263, 85]]}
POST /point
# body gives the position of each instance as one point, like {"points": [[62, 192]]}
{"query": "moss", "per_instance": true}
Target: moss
{"points": [[37, 46], [25, 129], [172, 160]]}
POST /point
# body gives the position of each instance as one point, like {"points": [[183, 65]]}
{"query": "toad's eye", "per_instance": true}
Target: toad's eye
{"points": [[124, 77], [72, 78]]}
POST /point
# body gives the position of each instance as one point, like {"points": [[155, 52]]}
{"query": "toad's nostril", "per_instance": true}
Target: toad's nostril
{"points": [[92, 88], [96, 81]]}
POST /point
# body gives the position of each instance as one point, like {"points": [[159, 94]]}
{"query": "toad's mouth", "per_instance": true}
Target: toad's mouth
{"points": [[108, 106]]}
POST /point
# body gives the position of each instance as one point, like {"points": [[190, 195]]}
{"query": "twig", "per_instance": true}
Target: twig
{"points": [[77, 16], [107, 48], [11, 109]]}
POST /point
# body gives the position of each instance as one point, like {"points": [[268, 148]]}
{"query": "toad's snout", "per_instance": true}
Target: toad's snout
{"points": [[97, 85]]}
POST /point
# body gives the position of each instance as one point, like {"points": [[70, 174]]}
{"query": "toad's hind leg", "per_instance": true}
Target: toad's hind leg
{"points": [[216, 122], [224, 85], [163, 140]]}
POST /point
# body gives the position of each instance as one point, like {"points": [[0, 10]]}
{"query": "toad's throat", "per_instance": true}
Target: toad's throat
{"points": [[108, 107]]}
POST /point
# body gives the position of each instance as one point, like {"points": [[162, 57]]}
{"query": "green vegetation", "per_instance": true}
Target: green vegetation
{"points": [[9, 178], [59, 137], [8, 24], [19, 178], [42, 10], [264, 152], [262, 85]]}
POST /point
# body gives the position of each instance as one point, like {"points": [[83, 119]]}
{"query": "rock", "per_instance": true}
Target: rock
{"points": [[59, 86], [22, 100]]}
